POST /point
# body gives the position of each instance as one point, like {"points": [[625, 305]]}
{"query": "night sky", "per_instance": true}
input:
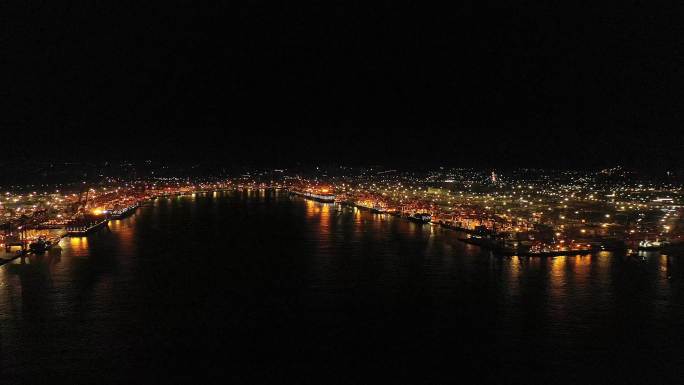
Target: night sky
{"points": [[478, 84]]}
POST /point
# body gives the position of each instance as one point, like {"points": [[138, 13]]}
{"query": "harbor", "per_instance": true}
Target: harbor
{"points": [[489, 240], [321, 256], [33, 217], [502, 214]]}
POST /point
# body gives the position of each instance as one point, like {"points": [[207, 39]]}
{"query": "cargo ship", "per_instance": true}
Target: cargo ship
{"points": [[420, 218], [374, 208], [500, 244], [123, 212], [647, 245], [324, 197], [81, 229], [458, 226]]}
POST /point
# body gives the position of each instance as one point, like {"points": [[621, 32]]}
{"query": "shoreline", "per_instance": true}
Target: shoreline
{"points": [[498, 253]]}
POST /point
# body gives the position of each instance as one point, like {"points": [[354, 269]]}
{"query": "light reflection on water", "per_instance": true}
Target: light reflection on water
{"points": [[356, 280]]}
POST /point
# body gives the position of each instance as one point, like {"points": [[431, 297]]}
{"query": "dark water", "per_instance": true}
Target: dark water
{"points": [[261, 288]]}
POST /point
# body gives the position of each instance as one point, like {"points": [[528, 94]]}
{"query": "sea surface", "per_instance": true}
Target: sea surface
{"points": [[260, 287]]}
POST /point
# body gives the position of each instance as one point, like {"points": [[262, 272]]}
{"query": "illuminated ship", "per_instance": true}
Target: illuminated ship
{"points": [[485, 242], [323, 196], [373, 207], [86, 225], [502, 248], [647, 245], [123, 212], [420, 217]]}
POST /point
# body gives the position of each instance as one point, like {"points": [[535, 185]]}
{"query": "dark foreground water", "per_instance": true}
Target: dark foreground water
{"points": [[262, 288]]}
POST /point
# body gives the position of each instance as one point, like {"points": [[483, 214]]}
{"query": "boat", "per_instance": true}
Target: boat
{"points": [[647, 245], [501, 248], [123, 212], [480, 241], [374, 208], [324, 197], [81, 229], [420, 217]]}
